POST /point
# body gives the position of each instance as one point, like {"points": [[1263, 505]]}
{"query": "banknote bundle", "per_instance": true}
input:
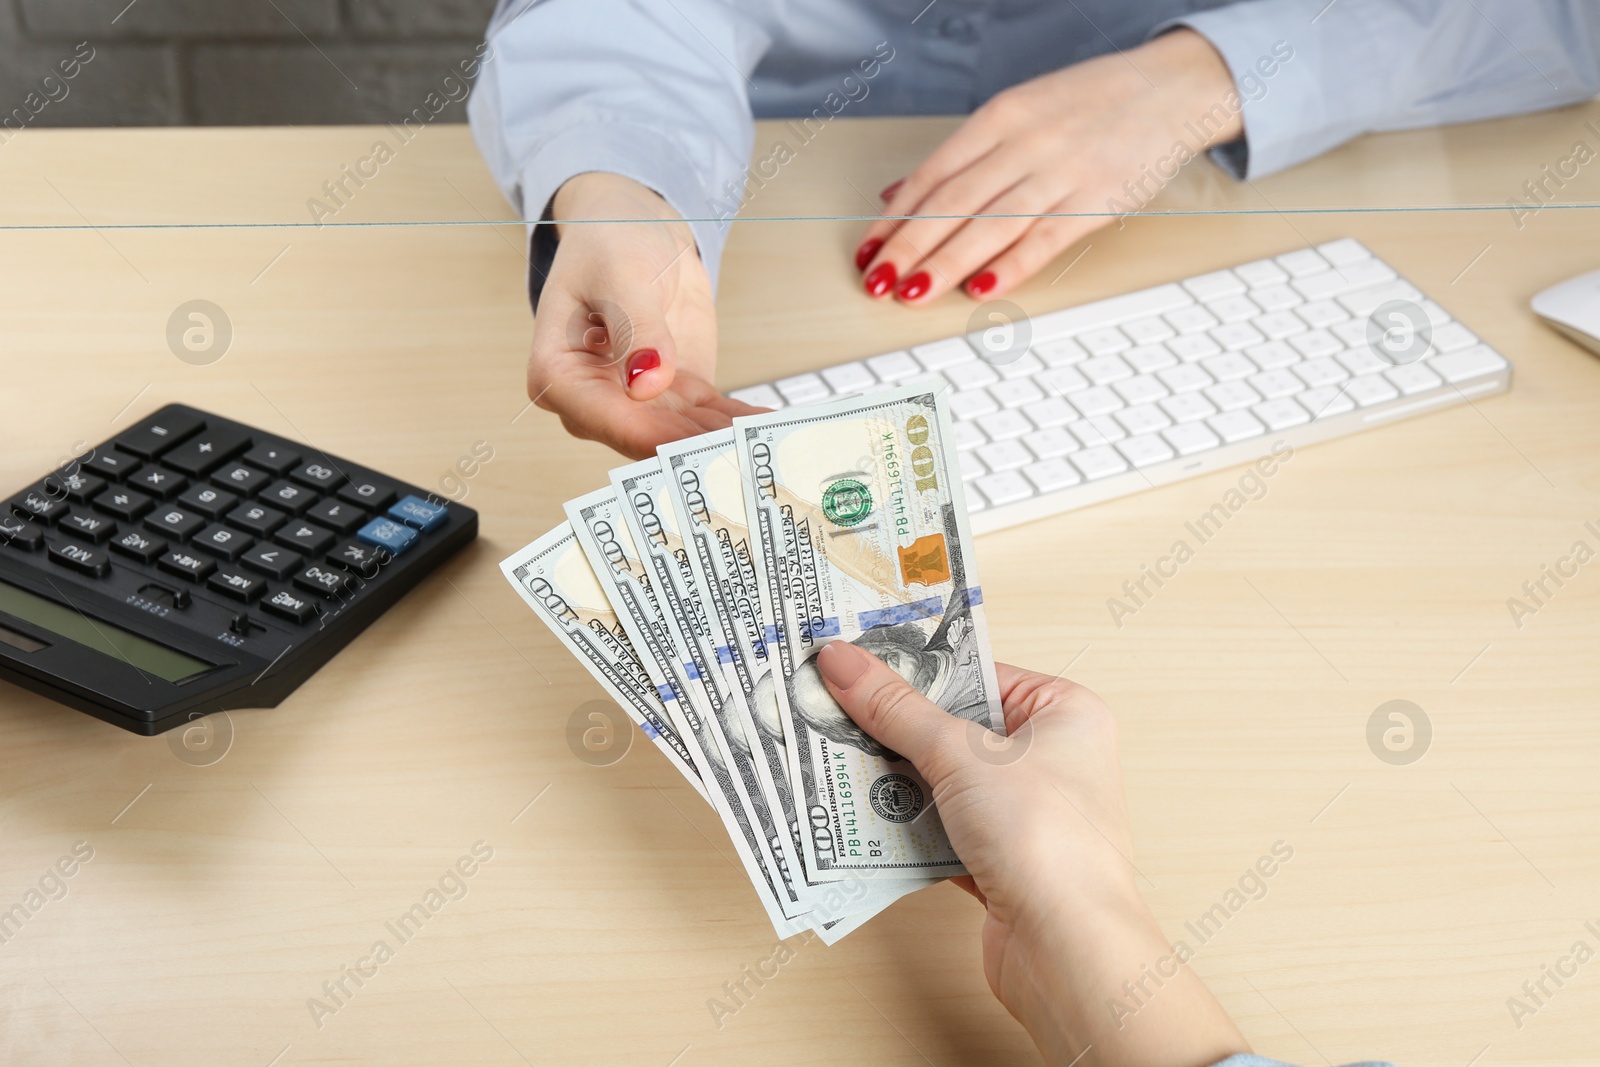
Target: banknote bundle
{"points": [[698, 587]]}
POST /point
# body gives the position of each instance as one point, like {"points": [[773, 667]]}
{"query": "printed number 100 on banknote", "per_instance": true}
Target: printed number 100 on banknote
{"points": [[858, 511]]}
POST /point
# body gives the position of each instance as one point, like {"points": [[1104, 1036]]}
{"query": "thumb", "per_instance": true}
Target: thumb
{"points": [[641, 344], [886, 706]]}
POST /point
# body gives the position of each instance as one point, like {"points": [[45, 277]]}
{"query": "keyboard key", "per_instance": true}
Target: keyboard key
{"points": [[1193, 347], [849, 378], [761, 396], [1277, 325], [1004, 425], [209, 501], [1007, 487], [939, 354], [1343, 251], [256, 519], [374, 494], [1142, 418], [971, 404], [240, 478], [1209, 287], [1366, 271], [36, 504], [965, 376], [186, 565], [1184, 378], [1191, 319], [304, 537], [158, 482], [320, 474], [1104, 342], [1319, 314], [1095, 400], [1187, 407], [1004, 455], [81, 522], [274, 459], [1361, 361], [971, 466], [1051, 474], [1234, 309], [1413, 379], [159, 432], [81, 558], [1234, 426], [1015, 393], [425, 515], [1462, 366], [1060, 381], [221, 541], [1101, 430], [1370, 390], [1320, 372], [139, 546], [1272, 354], [1326, 402], [1228, 366], [1302, 261], [967, 435], [1100, 462], [1281, 413], [362, 559], [125, 504], [1353, 332], [291, 606], [19, 533], [1146, 359], [175, 522], [1321, 286], [1361, 302], [1234, 336], [387, 534], [1023, 366], [336, 515], [275, 560], [235, 583], [1148, 330], [1261, 273], [1276, 297], [77, 485], [1059, 353], [893, 366], [290, 497], [1230, 396], [329, 582], [1191, 437], [207, 449], [803, 389], [1055, 441], [1051, 411], [1314, 343], [1145, 450], [1104, 370], [1133, 305], [1141, 389], [1275, 383], [111, 462], [1452, 336]]}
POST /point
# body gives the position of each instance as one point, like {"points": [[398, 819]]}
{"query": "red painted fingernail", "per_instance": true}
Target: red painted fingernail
{"points": [[881, 280], [890, 189], [641, 361], [868, 249], [981, 283], [914, 286]]}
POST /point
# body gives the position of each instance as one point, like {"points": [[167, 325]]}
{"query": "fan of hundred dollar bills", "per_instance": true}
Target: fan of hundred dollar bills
{"points": [[698, 588]]}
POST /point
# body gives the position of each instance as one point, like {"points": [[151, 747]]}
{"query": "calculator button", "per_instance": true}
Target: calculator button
{"points": [[111, 463], [219, 540], [235, 583], [209, 501], [186, 565], [36, 504], [207, 450], [365, 560], [291, 606], [388, 534], [174, 521], [158, 433], [19, 533], [317, 475], [123, 503], [288, 496], [370, 493], [139, 546], [256, 518], [325, 581], [272, 559], [415, 511], [81, 558], [75, 486], [239, 477], [273, 458], [86, 524], [159, 482], [337, 514], [304, 537]]}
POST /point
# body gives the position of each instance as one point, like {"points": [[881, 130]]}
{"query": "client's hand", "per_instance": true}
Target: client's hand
{"points": [[625, 341], [1062, 143], [1041, 824]]}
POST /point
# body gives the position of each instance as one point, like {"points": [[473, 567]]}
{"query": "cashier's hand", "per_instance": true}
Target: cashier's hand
{"points": [[1059, 144], [1040, 822], [625, 340]]}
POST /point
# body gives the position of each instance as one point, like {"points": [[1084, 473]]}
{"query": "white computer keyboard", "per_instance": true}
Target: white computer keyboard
{"points": [[1125, 394]]}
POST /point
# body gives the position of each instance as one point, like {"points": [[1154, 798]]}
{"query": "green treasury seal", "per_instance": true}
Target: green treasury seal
{"points": [[846, 502]]}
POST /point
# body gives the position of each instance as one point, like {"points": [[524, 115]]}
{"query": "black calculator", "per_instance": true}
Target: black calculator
{"points": [[193, 564]]}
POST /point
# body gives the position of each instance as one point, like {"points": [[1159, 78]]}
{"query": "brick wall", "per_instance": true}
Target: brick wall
{"points": [[230, 62]]}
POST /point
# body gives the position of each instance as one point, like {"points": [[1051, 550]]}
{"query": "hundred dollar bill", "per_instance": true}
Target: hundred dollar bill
{"points": [[644, 490], [554, 577], [860, 526], [601, 527]]}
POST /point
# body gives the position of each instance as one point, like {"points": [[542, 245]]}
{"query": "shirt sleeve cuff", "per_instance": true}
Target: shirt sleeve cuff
{"points": [[634, 151]]}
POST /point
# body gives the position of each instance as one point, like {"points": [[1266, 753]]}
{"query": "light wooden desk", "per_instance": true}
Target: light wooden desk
{"points": [[220, 898]]}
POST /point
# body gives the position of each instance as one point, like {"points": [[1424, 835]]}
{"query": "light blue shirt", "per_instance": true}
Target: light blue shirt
{"points": [[663, 91]]}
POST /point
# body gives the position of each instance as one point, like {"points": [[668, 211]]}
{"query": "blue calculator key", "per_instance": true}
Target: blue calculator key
{"points": [[386, 533], [415, 511]]}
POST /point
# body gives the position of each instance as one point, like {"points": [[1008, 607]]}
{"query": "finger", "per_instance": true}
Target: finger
{"points": [[634, 315], [970, 143], [1046, 239], [974, 244], [599, 409], [970, 884], [884, 705]]}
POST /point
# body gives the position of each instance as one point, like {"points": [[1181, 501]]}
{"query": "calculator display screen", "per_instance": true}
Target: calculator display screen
{"points": [[138, 652]]}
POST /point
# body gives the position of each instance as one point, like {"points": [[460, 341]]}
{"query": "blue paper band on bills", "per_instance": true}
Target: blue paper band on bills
{"points": [[815, 628], [693, 671], [926, 608], [770, 635], [724, 654], [649, 730], [664, 692]]}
